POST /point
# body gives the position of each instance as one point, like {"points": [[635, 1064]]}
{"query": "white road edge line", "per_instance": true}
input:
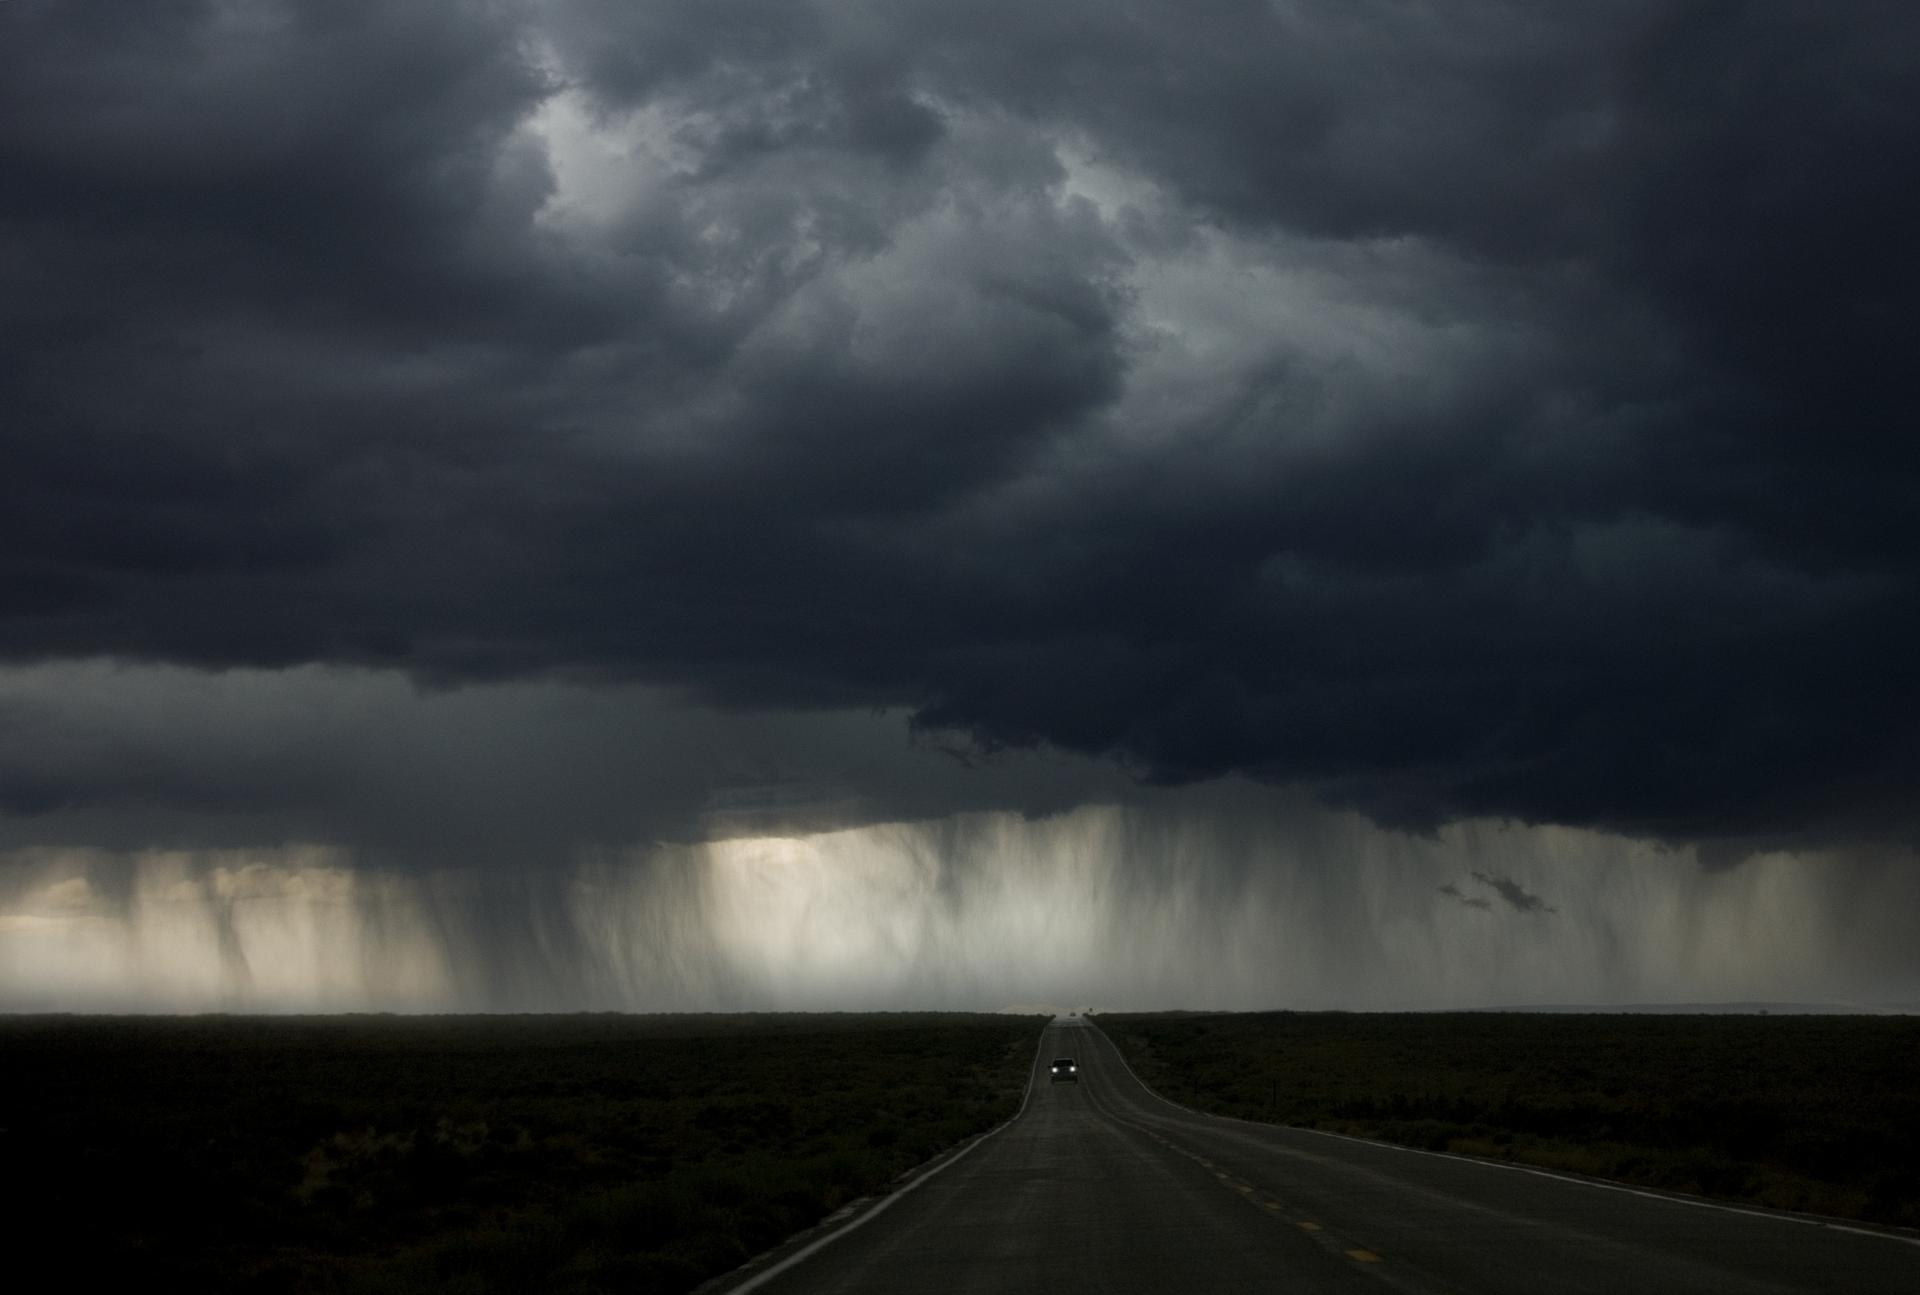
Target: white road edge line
{"points": [[886, 1202], [1782, 1216]]}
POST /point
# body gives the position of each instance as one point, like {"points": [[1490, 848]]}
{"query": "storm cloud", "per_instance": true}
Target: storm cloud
{"points": [[1461, 412]]}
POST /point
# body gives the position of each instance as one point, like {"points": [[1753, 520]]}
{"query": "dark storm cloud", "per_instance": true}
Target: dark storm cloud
{"points": [[515, 776], [1463, 410]]}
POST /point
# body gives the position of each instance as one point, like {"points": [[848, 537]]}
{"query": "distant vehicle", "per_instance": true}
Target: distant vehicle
{"points": [[1064, 1069]]}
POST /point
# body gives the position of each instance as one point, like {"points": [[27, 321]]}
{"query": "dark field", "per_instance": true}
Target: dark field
{"points": [[479, 1154], [1816, 1113]]}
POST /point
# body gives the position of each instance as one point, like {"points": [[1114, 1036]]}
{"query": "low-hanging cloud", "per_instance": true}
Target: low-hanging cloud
{"points": [[1516, 896], [1464, 412], [1452, 891]]}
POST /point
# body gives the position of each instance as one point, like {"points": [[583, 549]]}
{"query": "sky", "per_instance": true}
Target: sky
{"points": [[552, 504]]}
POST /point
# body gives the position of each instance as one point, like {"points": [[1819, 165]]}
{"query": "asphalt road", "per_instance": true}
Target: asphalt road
{"points": [[1101, 1186]]}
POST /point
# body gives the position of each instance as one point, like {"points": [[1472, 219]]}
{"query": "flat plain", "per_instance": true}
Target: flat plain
{"points": [[1812, 1113], [636, 1153], [471, 1154]]}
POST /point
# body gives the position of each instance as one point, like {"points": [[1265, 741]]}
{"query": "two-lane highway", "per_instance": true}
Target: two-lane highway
{"points": [[1101, 1185]]}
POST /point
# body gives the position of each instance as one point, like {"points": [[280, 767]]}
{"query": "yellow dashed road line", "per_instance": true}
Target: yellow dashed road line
{"points": [[1272, 1206]]}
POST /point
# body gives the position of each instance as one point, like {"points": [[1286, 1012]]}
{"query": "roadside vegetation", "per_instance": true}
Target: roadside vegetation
{"points": [[471, 1154], [1815, 1113]]}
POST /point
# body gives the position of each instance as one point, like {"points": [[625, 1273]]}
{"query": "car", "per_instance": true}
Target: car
{"points": [[1064, 1070]]}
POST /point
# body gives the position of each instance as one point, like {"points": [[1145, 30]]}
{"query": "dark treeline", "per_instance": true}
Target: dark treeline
{"points": [[471, 1154], [1816, 1113]]}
